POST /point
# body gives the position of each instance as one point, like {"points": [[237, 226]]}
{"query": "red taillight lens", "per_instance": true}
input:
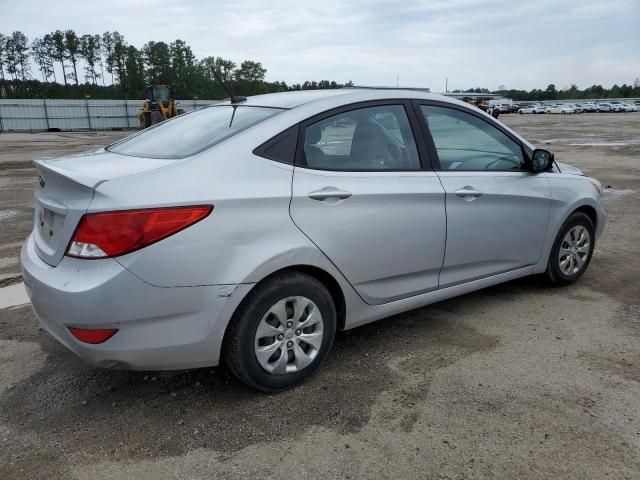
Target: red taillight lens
{"points": [[110, 234], [93, 336]]}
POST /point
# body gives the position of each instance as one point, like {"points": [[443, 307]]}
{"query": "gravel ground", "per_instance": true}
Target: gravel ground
{"points": [[515, 381]]}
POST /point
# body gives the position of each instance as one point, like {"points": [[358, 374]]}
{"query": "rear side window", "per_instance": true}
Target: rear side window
{"points": [[192, 133], [371, 138]]}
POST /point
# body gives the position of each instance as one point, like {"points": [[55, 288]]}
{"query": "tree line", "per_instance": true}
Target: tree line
{"points": [[108, 67], [568, 93]]}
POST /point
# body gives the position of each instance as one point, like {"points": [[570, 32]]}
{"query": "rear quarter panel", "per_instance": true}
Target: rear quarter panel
{"points": [[251, 200], [249, 234]]}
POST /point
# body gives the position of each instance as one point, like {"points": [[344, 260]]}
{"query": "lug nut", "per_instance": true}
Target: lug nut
{"points": [[280, 337], [289, 324], [289, 344], [298, 332]]}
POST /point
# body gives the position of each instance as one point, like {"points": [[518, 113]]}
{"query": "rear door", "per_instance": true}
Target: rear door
{"points": [[360, 193], [497, 210]]}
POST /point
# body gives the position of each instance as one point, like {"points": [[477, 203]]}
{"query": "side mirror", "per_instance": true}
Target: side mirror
{"points": [[541, 160]]}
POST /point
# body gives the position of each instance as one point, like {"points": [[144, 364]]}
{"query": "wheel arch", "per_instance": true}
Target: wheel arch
{"points": [[587, 205], [330, 283], [323, 276], [590, 212]]}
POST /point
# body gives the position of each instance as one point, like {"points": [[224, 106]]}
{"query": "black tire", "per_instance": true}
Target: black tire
{"points": [[238, 347], [554, 273]]}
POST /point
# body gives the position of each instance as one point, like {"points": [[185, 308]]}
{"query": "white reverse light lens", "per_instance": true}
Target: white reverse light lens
{"points": [[85, 250]]}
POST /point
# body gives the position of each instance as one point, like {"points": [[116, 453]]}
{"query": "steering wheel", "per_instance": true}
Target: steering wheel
{"points": [[498, 160]]}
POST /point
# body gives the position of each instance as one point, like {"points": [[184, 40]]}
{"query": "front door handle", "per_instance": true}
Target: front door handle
{"points": [[468, 193], [329, 192]]}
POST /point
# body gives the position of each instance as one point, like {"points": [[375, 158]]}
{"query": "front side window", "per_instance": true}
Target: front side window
{"points": [[372, 138], [185, 135], [466, 142]]}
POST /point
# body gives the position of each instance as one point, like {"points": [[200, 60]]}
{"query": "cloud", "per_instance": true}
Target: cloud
{"points": [[473, 43]]}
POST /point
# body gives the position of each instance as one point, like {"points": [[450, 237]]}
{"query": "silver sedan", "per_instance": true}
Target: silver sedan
{"points": [[250, 231]]}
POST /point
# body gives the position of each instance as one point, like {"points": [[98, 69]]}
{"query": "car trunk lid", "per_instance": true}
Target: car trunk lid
{"points": [[65, 190]]}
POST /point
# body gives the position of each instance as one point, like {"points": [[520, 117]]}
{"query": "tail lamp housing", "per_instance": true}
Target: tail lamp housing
{"points": [[111, 234]]}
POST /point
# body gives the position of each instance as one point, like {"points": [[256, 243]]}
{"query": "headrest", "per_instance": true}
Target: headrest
{"points": [[313, 134]]}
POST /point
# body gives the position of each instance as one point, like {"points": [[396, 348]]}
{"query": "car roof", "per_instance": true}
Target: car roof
{"points": [[297, 98], [301, 105]]}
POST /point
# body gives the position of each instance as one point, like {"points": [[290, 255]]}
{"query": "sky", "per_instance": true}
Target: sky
{"points": [[519, 44]]}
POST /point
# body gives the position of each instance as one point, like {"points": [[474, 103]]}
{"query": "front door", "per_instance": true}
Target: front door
{"points": [[497, 211], [361, 195]]}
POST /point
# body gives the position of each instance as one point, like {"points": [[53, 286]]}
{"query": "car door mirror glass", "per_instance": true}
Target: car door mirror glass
{"points": [[541, 160]]}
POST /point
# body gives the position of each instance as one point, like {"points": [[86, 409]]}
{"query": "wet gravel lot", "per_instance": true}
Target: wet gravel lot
{"points": [[516, 381]]}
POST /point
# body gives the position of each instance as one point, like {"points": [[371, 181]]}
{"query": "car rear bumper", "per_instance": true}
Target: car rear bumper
{"points": [[158, 328]]}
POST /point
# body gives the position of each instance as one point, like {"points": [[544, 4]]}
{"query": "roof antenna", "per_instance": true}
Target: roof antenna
{"points": [[233, 98]]}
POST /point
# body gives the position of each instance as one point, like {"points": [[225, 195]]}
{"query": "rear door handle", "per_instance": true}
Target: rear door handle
{"points": [[329, 192], [468, 193]]}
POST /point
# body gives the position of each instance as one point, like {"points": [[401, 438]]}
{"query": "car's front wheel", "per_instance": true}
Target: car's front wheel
{"points": [[281, 332], [572, 250]]}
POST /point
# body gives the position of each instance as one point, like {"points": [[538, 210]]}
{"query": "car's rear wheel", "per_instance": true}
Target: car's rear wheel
{"points": [[572, 250], [281, 332]]}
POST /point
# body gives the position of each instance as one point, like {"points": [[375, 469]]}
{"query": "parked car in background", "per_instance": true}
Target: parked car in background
{"points": [[621, 107], [536, 108], [603, 107], [577, 108], [617, 107], [559, 108], [502, 107], [588, 107], [290, 216], [634, 107]]}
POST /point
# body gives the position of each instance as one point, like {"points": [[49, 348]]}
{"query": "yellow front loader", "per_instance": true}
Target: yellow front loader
{"points": [[158, 107]]}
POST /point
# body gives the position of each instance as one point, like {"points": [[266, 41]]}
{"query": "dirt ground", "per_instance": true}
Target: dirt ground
{"points": [[515, 381]]}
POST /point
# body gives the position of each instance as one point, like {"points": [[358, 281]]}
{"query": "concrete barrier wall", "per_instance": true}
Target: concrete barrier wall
{"points": [[36, 115]]}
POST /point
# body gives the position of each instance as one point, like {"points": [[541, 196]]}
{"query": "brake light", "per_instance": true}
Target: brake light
{"points": [[110, 234], [93, 336]]}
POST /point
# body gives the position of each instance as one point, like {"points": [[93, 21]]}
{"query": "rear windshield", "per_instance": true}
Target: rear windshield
{"points": [[192, 133]]}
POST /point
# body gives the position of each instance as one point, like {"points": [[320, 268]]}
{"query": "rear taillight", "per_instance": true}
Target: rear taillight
{"points": [[93, 336], [110, 234]]}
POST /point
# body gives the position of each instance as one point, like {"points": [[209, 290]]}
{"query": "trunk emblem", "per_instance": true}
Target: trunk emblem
{"points": [[41, 181]]}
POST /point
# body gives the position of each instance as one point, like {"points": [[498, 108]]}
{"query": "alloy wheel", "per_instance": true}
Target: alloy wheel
{"points": [[574, 250]]}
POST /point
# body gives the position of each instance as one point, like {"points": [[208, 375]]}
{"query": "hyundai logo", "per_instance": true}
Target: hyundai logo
{"points": [[41, 181]]}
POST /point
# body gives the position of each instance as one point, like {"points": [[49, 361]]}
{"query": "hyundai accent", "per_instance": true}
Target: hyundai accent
{"points": [[250, 231]]}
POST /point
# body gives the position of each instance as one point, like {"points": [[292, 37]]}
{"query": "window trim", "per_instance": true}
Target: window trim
{"points": [[261, 150], [433, 152], [424, 157]]}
